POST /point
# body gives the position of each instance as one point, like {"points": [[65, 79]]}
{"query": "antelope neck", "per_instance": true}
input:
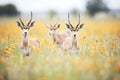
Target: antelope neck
{"points": [[74, 42], [25, 37], [74, 39], [54, 35]]}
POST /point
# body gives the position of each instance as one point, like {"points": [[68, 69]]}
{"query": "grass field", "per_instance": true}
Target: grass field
{"points": [[98, 59]]}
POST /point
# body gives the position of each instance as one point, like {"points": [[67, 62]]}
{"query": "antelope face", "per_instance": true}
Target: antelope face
{"points": [[25, 32], [52, 32], [53, 29], [74, 30], [25, 28], [74, 34]]}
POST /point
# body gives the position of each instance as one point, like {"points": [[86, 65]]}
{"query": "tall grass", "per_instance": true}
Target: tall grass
{"points": [[98, 58]]}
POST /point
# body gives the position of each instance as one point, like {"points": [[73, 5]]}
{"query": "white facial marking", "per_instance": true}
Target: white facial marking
{"points": [[52, 32], [74, 34], [25, 32]]}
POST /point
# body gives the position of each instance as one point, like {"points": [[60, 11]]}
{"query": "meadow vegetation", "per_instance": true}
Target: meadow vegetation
{"points": [[98, 59]]}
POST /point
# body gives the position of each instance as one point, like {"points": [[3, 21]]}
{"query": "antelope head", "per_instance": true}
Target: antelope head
{"points": [[74, 30], [52, 28], [25, 28]]}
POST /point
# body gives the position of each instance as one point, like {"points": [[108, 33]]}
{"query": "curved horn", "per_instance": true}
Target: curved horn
{"points": [[56, 22], [69, 20], [30, 19], [79, 19], [21, 21]]}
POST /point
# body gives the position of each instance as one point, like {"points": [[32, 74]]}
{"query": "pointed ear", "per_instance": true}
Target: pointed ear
{"points": [[68, 26], [31, 24], [47, 26], [80, 26], [57, 26], [19, 24]]}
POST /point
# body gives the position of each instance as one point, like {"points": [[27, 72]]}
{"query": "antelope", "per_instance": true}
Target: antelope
{"points": [[58, 37], [26, 42], [71, 43]]}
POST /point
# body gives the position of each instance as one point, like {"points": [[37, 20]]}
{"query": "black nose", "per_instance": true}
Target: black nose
{"points": [[74, 35], [25, 33]]}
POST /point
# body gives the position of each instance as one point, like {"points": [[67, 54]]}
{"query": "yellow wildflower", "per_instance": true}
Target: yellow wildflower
{"points": [[10, 49], [30, 46], [80, 41], [113, 46], [36, 50], [14, 55], [102, 49], [6, 48], [12, 46], [65, 49]]}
